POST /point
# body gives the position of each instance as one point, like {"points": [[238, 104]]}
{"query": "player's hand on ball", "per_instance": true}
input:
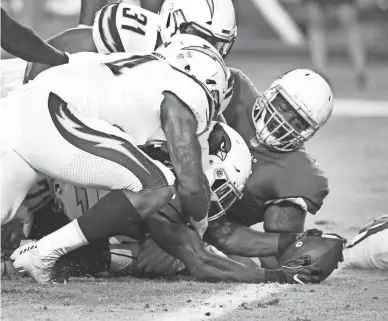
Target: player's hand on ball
{"points": [[154, 260], [299, 271]]}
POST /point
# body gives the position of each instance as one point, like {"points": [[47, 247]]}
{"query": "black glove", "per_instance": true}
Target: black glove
{"points": [[298, 271]]}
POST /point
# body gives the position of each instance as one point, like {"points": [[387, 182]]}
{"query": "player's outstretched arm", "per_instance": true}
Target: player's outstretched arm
{"points": [[233, 238], [71, 41], [185, 244], [24, 43], [180, 127]]}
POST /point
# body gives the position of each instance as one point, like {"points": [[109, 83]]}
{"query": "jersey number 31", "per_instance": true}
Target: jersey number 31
{"points": [[140, 18]]}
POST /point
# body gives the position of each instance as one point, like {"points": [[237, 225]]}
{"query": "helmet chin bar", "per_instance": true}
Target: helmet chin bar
{"points": [[289, 141], [222, 196]]}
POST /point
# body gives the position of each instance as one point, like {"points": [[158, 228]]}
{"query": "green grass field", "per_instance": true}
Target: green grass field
{"points": [[352, 151]]}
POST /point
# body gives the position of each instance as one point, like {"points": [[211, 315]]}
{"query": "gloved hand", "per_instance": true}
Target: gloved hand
{"points": [[299, 271]]}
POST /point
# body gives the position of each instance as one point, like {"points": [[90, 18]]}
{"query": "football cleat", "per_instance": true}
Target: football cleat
{"points": [[27, 259]]}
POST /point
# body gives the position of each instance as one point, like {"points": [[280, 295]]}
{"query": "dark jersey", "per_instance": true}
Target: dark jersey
{"points": [[292, 176]]}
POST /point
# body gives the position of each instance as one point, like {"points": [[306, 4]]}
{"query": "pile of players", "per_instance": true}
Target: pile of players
{"points": [[146, 154]]}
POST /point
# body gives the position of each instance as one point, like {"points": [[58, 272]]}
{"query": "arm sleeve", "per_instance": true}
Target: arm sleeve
{"points": [[24, 43]]}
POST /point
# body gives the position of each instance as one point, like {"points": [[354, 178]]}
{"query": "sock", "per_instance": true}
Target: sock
{"points": [[108, 217], [62, 241]]}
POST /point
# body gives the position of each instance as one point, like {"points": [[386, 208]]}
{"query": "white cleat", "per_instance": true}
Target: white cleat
{"points": [[26, 258]]}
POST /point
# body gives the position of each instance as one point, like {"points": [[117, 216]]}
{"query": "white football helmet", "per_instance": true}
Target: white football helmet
{"points": [[227, 164], [199, 60], [292, 110], [213, 20]]}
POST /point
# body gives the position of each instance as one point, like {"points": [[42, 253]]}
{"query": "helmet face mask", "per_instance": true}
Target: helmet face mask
{"points": [[224, 194], [226, 160], [291, 112], [279, 125]]}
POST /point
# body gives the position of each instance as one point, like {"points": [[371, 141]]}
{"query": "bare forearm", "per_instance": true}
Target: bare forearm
{"points": [[180, 127], [184, 244], [194, 203], [72, 41], [216, 268], [233, 238], [192, 186], [89, 9], [28, 46]]}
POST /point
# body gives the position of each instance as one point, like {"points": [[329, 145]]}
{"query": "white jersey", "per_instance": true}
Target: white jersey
{"points": [[124, 27], [12, 72], [118, 27], [126, 93]]}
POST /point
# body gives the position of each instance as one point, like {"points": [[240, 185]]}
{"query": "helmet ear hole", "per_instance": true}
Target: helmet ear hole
{"points": [[187, 68]]}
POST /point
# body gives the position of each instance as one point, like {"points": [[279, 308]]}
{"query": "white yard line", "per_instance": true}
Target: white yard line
{"points": [[221, 303], [360, 108]]}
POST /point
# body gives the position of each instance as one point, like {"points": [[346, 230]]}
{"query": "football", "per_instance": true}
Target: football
{"points": [[321, 251]]}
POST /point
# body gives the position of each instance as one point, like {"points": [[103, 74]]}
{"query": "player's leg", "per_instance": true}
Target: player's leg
{"points": [[349, 18], [316, 34], [152, 5], [17, 177], [369, 249], [282, 218], [84, 152], [93, 154], [89, 9], [99, 259]]}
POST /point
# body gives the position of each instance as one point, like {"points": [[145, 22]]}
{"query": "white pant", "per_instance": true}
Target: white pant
{"points": [[370, 253], [39, 134], [12, 72]]}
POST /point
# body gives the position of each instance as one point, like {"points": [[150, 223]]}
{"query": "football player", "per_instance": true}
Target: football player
{"points": [[124, 27], [227, 164], [286, 183], [93, 118], [369, 249]]}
